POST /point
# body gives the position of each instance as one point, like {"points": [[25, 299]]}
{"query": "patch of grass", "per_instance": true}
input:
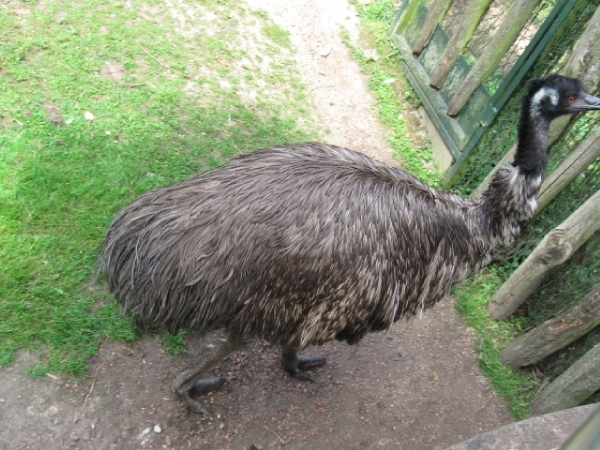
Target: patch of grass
{"points": [[174, 342], [101, 102], [384, 73], [278, 35], [472, 298]]}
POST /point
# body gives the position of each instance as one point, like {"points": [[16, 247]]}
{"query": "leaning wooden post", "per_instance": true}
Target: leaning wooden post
{"points": [[584, 63], [436, 12], [556, 333], [585, 154], [508, 31], [556, 248], [458, 41], [407, 15], [571, 388]]}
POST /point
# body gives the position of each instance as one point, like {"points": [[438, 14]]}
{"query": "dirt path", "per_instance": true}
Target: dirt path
{"points": [[415, 387]]}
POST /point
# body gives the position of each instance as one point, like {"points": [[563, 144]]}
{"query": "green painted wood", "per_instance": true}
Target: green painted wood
{"points": [[414, 28], [404, 17], [434, 50], [459, 72], [504, 37], [436, 11], [432, 101], [458, 42], [471, 118]]}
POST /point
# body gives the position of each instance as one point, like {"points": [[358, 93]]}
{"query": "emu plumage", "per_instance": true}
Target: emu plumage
{"points": [[302, 244]]}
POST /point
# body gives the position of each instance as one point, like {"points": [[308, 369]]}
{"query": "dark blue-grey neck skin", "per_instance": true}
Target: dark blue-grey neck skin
{"points": [[531, 156]]}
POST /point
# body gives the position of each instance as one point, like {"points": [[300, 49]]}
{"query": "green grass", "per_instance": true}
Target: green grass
{"points": [[168, 99], [390, 100], [516, 388]]}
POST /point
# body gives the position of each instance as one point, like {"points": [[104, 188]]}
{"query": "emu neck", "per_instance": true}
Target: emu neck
{"points": [[509, 203], [532, 146]]}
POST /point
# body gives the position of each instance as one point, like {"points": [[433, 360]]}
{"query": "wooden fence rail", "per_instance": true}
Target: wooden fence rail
{"points": [[570, 389], [556, 248], [556, 333]]}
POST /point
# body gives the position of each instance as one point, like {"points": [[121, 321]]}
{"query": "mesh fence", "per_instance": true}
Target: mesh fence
{"points": [[575, 278]]}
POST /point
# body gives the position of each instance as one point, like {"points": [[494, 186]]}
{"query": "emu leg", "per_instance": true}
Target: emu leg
{"points": [[296, 365], [189, 381]]}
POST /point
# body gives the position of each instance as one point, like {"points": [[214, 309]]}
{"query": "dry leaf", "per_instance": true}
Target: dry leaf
{"points": [[223, 62]]}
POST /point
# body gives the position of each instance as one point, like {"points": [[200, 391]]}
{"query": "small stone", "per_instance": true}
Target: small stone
{"points": [[325, 51], [74, 437], [157, 429]]}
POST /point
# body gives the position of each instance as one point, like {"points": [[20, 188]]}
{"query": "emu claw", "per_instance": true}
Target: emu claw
{"points": [[296, 366], [310, 362], [200, 387]]}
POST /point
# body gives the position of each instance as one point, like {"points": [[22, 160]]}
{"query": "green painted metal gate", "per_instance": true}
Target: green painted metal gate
{"points": [[463, 88]]}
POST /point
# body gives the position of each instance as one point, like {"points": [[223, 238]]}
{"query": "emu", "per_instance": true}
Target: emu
{"points": [[303, 244]]}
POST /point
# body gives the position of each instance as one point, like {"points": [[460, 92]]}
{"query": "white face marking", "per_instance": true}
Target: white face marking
{"points": [[545, 93]]}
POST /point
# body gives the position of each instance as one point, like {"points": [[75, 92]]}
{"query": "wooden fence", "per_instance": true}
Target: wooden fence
{"points": [[455, 96], [463, 88]]}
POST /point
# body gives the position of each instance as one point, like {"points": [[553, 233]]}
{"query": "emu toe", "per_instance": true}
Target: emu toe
{"points": [[296, 365], [206, 384], [193, 404], [200, 387]]}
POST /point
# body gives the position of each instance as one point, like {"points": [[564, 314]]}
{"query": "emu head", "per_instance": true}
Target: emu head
{"points": [[556, 95]]}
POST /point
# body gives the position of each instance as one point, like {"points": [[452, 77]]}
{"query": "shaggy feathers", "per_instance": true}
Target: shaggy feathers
{"points": [[302, 244], [296, 244]]}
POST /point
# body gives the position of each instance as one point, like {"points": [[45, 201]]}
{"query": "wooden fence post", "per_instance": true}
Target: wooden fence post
{"points": [[458, 41], [571, 388], [506, 34], [556, 333], [585, 154], [556, 248], [436, 13], [408, 14]]}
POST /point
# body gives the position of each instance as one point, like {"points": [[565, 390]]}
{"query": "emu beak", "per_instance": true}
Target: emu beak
{"points": [[586, 102]]}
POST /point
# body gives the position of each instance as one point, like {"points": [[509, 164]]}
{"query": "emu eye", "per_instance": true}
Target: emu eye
{"points": [[570, 100]]}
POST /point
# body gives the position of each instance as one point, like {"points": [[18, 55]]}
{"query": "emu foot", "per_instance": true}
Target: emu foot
{"points": [[201, 386], [206, 385], [296, 365]]}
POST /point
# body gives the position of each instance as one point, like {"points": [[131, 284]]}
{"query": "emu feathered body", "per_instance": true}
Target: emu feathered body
{"points": [[301, 244]]}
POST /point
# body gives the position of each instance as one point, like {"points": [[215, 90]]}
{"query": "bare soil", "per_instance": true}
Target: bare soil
{"points": [[416, 386]]}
